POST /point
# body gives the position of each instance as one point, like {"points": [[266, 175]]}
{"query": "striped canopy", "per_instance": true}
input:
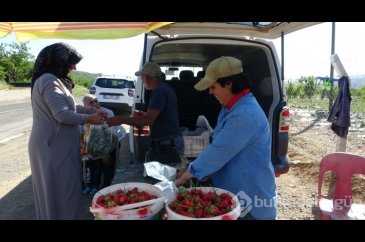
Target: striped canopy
{"points": [[26, 31]]}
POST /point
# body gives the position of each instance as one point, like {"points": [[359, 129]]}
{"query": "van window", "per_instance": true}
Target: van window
{"points": [[114, 83]]}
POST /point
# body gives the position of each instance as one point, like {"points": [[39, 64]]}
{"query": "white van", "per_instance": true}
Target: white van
{"points": [[183, 51]]}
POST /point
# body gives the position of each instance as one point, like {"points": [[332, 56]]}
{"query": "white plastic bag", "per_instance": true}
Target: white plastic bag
{"points": [[166, 174], [160, 171]]}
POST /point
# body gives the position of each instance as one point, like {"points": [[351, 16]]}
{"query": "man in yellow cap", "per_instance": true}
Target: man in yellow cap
{"points": [[239, 157]]}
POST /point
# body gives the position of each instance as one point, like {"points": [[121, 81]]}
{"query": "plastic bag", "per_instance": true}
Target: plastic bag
{"points": [[101, 140], [160, 171]]}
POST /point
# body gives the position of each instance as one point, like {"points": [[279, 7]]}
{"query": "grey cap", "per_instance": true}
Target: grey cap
{"points": [[150, 69]]}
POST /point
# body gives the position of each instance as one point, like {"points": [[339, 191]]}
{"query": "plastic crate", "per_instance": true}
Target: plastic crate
{"points": [[194, 145]]}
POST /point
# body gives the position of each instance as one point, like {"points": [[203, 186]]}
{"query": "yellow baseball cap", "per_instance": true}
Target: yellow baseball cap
{"points": [[219, 68]]}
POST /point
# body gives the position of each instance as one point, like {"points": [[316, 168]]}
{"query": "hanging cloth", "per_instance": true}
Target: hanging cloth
{"points": [[340, 112]]}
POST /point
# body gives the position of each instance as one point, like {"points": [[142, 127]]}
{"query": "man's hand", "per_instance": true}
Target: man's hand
{"points": [[101, 112], [113, 121]]}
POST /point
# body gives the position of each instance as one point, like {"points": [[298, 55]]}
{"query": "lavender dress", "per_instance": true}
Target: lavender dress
{"points": [[54, 150]]}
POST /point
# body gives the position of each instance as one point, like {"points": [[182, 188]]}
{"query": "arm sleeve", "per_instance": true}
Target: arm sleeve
{"points": [[235, 135], [82, 109], [59, 104]]}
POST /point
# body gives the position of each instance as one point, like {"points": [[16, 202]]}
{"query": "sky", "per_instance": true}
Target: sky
{"points": [[109, 57], [307, 51]]}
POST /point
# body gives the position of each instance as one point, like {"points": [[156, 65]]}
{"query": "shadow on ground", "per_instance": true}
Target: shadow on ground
{"points": [[18, 204]]}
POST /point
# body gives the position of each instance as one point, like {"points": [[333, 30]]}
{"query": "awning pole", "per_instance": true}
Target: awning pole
{"points": [[340, 142], [330, 100], [333, 45]]}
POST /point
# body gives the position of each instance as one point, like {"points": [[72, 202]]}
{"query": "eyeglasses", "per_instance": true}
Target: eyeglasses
{"points": [[93, 101]]}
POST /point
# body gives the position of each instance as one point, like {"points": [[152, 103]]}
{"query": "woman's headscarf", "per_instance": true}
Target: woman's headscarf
{"points": [[56, 59]]}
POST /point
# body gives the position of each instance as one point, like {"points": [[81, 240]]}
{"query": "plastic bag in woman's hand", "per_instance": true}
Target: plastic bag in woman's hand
{"points": [[102, 141]]}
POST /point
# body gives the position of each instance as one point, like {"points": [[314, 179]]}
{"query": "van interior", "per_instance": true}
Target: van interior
{"points": [[184, 65]]}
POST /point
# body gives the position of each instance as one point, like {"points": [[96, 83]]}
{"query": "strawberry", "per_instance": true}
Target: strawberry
{"points": [[196, 192], [100, 200], [133, 191], [196, 204], [123, 199], [216, 211], [223, 204], [110, 196], [188, 203], [226, 196], [226, 217], [180, 207], [207, 215], [198, 213], [180, 197], [143, 212], [209, 196]]}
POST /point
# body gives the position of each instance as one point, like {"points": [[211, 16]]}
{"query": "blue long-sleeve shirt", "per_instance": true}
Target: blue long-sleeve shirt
{"points": [[238, 159]]}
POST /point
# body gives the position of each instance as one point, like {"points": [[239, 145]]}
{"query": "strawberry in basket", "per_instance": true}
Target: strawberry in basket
{"points": [[120, 198], [196, 203]]}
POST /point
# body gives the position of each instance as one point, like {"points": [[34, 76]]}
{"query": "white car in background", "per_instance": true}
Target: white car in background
{"points": [[115, 93]]}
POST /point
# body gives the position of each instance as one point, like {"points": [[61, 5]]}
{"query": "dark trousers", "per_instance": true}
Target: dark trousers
{"points": [[165, 149], [97, 173]]}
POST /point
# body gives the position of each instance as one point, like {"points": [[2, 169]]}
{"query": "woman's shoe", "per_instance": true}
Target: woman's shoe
{"points": [[93, 191], [86, 190]]}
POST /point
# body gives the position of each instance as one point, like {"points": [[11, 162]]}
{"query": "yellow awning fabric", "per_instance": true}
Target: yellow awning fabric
{"points": [[5, 29], [26, 31]]}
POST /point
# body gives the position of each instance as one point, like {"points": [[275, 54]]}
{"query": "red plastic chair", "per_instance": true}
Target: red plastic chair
{"points": [[341, 207]]}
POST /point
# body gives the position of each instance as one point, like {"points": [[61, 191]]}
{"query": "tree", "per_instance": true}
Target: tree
{"points": [[16, 62]]}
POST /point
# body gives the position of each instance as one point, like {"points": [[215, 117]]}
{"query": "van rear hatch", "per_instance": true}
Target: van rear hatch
{"points": [[264, 30]]}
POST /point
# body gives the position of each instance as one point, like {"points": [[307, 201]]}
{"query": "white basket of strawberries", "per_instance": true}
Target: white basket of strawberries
{"points": [[128, 201], [203, 203]]}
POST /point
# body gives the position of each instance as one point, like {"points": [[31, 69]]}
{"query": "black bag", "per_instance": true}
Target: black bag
{"points": [[163, 150]]}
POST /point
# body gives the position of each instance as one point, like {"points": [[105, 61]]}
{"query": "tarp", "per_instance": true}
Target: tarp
{"points": [[26, 31]]}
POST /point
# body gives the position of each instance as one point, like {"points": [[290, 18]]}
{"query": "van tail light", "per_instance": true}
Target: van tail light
{"points": [[143, 131], [137, 113], [284, 120], [130, 92], [140, 131]]}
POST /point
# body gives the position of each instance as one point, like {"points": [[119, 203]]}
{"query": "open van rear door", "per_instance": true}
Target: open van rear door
{"points": [[265, 30]]}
